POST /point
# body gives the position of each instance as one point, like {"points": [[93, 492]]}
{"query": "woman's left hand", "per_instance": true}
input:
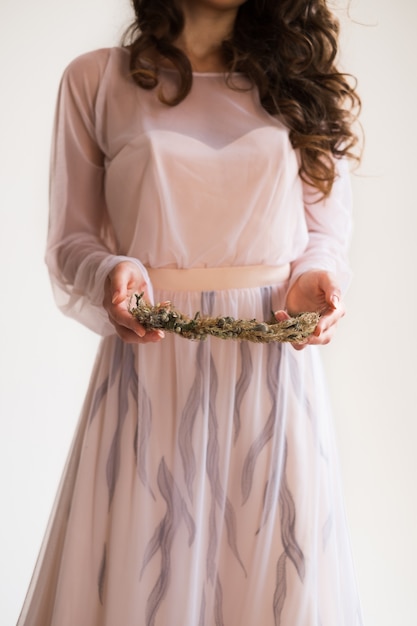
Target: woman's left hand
{"points": [[317, 291]]}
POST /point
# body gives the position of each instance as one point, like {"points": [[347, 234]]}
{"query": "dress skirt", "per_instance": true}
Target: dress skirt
{"points": [[202, 488]]}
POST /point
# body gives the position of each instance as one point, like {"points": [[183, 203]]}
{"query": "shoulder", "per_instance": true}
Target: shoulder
{"points": [[86, 71]]}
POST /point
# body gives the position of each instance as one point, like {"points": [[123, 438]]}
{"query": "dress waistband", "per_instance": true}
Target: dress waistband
{"points": [[218, 278]]}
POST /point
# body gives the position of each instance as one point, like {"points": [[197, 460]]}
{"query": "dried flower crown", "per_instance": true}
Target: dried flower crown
{"points": [[164, 316]]}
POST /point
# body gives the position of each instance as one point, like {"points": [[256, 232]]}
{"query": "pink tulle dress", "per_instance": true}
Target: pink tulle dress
{"points": [[202, 486]]}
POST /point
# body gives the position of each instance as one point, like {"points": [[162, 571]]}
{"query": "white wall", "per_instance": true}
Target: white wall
{"points": [[45, 358], [371, 366]]}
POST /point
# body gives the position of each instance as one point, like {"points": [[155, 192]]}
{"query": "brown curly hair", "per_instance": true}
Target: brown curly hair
{"points": [[288, 49]]}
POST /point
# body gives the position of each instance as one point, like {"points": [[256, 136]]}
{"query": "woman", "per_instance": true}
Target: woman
{"points": [[203, 164]]}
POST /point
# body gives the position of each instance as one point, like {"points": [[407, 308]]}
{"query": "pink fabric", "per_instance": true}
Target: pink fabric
{"points": [[202, 487]]}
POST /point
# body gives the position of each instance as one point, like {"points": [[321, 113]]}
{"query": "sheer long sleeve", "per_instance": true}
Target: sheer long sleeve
{"points": [[329, 224], [81, 248]]}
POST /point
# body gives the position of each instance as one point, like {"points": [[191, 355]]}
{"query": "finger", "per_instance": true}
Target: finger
{"points": [[119, 283], [280, 316], [326, 328], [325, 323], [130, 336], [118, 286], [324, 337], [331, 315], [120, 317], [332, 291], [300, 346], [123, 279], [152, 336]]}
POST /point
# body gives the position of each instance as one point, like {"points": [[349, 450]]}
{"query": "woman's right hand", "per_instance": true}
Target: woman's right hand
{"points": [[123, 281]]}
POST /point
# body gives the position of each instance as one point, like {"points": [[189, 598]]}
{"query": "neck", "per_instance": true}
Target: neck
{"points": [[204, 31]]}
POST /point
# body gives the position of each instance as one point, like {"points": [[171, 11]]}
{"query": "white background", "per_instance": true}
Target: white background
{"points": [[45, 359]]}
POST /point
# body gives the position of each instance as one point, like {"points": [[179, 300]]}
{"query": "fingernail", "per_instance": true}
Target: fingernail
{"points": [[161, 333], [115, 296], [335, 301]]}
